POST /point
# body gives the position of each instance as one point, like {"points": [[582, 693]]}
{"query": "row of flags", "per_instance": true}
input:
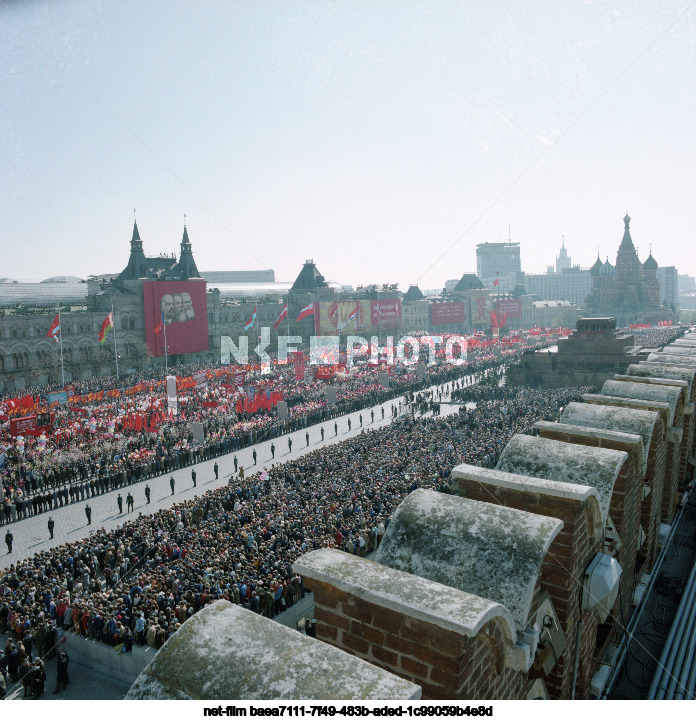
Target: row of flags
{"points": [[107, 324], [304, 313]]}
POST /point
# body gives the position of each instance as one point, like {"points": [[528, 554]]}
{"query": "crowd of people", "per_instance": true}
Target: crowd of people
{"points": [[94, 449], [138, 583]]}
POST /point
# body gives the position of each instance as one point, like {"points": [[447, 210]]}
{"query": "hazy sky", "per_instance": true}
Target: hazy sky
{"points": [[369, 136]]}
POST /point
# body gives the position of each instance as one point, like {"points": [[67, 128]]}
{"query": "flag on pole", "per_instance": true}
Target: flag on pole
{"points": [[354, 314], [306, 311], [251, 320], [106, 326], [495, 282], [160, 325], [54, 330], [283, 315]]}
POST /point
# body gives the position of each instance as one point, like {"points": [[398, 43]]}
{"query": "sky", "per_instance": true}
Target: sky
{"points": [[384, 140]]}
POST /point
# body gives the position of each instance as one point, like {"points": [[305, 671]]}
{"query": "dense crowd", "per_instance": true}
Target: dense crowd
{"points": [[99, 448], [139, 583]]}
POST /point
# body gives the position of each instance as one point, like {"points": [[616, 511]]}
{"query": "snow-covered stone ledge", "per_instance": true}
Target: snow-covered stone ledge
{"points": [[227, 652]]}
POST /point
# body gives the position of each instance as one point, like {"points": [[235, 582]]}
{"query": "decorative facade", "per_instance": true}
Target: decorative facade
{"points": [[629, 290]]}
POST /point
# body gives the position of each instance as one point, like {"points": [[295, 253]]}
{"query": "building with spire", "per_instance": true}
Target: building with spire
{"points": [[629, 290], [564, 282]]}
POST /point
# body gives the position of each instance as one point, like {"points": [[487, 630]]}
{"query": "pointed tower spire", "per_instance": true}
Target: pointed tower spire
{"points": [[187, 265]]}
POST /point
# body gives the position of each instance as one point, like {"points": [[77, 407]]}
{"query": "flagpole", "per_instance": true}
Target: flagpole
{"points": [[113, 318], [166, 362], [60, 337]]}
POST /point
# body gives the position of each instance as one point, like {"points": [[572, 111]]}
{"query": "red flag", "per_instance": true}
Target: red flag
{"points": [[283, 315], [306, 312], [54, 330], [160, 324], [495, 282]]}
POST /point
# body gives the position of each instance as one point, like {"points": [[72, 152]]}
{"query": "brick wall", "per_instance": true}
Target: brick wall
{"points": [[656, 476], [446, 665], [625, 506], [562, 571]]}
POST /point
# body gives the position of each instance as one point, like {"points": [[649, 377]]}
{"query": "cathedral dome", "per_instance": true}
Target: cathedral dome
{"points": [[594, 270], [607, 269], [650, 263]]}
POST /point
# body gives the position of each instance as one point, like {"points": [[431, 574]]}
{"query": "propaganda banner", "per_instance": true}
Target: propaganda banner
{"points": [[356, 316], [200, 379], [325, 373], [178, 311], [446, 313], [385, 313], [299, 361], [510, 307], [22, 426], [57, 397], [480, 309], [238, 378]]}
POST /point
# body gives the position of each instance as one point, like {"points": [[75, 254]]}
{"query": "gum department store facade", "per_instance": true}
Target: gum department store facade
{"points": [[29, 358]]}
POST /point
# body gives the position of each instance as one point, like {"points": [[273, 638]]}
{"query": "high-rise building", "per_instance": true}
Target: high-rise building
{"points": [[498, 261], [669, 285]]}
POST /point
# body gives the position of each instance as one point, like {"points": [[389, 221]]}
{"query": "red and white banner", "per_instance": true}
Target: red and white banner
{"points": [[283, 315], [306, 312], [238, 378]]}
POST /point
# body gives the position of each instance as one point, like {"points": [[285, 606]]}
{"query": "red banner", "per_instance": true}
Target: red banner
{"points": [[299, 360], [325, 373], [385, 313], [21, 426], [510, 307], [238, 378], [445, 313], [178, 311]]}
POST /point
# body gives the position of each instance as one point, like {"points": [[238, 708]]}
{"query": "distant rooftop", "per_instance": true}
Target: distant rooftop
{"points": [[239, 276]]}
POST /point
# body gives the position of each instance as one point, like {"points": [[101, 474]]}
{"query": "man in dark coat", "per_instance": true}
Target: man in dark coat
{"points": [[51, 524], [88, 513], [8, 540], [62, 679]]}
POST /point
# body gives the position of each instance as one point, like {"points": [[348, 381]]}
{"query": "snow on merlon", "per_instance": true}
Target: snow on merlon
{"points": [[616, 418], [662, 358], [480, 548], [227, 652], [645, 392], [545, 458], [659, 370], [413, 596]]}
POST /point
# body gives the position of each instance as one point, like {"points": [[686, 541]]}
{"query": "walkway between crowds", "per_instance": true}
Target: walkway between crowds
{"points": [[31, 534]]}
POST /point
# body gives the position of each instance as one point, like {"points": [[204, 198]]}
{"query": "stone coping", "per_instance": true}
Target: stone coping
{"points": [[630, 440], [227, 652], [646, 392], [529, 484], [679, 350], [685, 361], [625, 420], [546, 458], [685, 341], [414, 596], [485, 549], [664, 371], [662, 409]]}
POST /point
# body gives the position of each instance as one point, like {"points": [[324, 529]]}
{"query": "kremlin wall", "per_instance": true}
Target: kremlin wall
{"points": [[519, 586]]}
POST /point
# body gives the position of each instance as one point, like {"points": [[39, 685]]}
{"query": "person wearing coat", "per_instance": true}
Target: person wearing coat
{"points": [[62, 679]]}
